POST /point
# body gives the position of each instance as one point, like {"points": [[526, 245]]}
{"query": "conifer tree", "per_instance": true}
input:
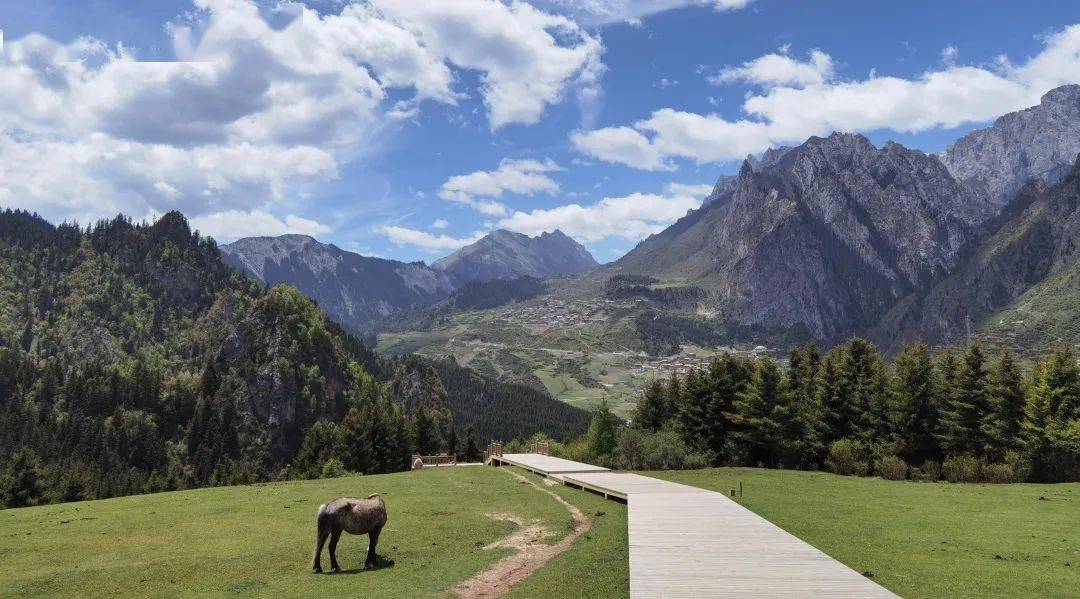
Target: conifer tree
{"points": [[728, 376], [652, 411], [916, 390], [424, 432], [763, 417], [694, 398], [20, 483], [472, 450], [1004, 429], [601, 437], [962, 418]]}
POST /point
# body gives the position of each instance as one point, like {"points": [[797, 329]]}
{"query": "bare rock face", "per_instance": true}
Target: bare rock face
{"points": [[1035, 237], [1040, 142], [507, 255], [356, 291], [822, 239]]}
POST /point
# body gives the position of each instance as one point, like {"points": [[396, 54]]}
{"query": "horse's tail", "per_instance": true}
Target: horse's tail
{"points": [[321, 532]]}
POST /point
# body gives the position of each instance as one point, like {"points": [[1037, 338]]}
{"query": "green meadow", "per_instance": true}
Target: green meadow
{"points": [[935, 540]]}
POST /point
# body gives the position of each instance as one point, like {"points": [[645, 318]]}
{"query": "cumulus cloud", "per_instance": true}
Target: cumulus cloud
{"points": [[404, 236], [632, 217], [252, 110], [789, 113], [235, 224], [779, 69], [477, 189], [440, 223]]}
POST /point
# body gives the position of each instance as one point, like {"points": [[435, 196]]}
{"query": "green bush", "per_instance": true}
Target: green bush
{"points": [[847, 457], [962, 468], [997, 473], [931, 471], [892, 468], [659, 450], [333, 468]]}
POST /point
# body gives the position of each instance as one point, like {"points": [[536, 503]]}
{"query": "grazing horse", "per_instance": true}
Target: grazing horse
{"points": [[358, 517]]}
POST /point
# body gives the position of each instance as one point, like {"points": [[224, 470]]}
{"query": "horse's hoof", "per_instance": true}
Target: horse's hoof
{"points": [[336, 569], [316, 570]]}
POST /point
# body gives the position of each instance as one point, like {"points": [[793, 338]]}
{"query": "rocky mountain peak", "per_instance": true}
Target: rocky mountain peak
{"points": [[505, 254], [1039, 142]]}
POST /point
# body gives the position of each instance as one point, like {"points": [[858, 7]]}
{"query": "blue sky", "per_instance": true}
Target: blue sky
{"points": [[405, 129]]}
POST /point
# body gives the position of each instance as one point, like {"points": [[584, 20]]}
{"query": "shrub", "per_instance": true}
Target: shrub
{"points": [[333, 468], [1020, 464], [997, 473], [659, 450], [931, 471], [892, 468], [962, 468], [847, 457]]}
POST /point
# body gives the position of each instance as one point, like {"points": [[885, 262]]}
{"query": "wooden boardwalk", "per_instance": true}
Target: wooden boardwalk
{"points": [[693, 543], [545, 465]]}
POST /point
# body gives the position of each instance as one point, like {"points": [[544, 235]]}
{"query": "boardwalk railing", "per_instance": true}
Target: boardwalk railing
{"points": [[441, 459]]}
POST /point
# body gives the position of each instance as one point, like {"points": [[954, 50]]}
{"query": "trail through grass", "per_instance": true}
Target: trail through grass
{"points": [[257, 540]]}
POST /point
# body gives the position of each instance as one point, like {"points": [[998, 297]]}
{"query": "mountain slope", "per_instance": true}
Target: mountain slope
{"points": [[821, 240], [1040, 142], [356, 291], [132, 359], [507, 255], [1028, 256]]}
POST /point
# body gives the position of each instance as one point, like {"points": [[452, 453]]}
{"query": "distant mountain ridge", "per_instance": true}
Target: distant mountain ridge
{"points": [[356, 291], [504, 254], [826, 239]]}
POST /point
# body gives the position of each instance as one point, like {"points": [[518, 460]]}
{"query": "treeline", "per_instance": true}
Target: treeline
{"points": [[958, 416], [664, 334], [631, 286], [481, 295], [132, 360]]}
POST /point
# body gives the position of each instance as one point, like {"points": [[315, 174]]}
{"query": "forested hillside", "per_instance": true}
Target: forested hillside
{"points": [[132, 359], [964, 417]]}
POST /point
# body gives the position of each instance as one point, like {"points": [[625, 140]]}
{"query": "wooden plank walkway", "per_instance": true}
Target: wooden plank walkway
{"points": [[545, 465], [693, 543]]}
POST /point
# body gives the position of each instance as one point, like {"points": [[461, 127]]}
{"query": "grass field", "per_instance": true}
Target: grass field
{"points": [[257, 540], [932, 540], [936, 540]]}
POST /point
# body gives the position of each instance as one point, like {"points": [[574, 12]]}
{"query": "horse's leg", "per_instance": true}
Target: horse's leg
{"points": [[316, 560], [373, 539], [334, 536]]}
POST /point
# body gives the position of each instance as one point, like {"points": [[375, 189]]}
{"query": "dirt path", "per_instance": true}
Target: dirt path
{"points": [[531, 550]]}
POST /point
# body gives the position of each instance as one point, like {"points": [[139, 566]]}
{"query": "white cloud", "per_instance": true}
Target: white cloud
{"points": [[254, 112], [632, 217], [948, 55], [477, 189], [440, 223], [235, 224], [621, 144], [785, 114], [527, 58], [780, 69], [603, 12], [402, 236]]}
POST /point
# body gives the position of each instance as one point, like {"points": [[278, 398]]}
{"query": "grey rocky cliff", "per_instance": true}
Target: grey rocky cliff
{"points": [[507, 255], [1039, 142], [823, 240]]}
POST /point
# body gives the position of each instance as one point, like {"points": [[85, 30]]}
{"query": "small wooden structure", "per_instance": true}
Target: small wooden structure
{"points": [[543, 448], [442, 459], [494, 450]]}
